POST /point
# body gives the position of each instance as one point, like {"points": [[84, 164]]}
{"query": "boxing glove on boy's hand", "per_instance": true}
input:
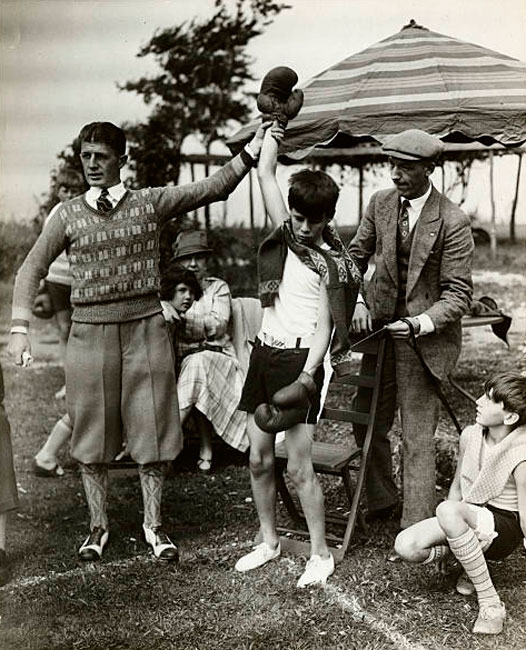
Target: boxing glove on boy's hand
{"points": [[289, 405], [276, 99]]}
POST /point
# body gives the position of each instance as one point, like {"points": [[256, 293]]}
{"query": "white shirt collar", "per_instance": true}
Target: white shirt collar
{"points": [[418, 203], [115, 193]]}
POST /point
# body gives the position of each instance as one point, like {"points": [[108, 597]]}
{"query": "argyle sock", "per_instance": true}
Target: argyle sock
{"points": [[467, 550], [152, 479], [95, 481], [437, 553]]}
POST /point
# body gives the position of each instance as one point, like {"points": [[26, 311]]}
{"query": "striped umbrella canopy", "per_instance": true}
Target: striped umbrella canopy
{"points": [[414, 79]]}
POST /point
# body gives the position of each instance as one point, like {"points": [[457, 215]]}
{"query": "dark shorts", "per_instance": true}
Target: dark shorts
{"points": [[60, 295], [509, 534], [271, 369]]}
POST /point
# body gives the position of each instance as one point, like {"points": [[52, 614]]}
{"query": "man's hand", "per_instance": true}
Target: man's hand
{"points": [[400, 330], [257, 141], [361, 319], [19, 348]]}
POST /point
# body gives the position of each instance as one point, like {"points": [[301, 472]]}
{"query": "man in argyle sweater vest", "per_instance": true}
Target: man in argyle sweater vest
{"points": [[119, 369]]}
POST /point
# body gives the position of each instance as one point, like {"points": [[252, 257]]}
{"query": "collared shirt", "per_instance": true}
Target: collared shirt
{"points": [[416, 206], [115, 194]]}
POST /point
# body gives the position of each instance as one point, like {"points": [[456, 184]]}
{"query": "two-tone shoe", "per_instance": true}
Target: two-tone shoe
{"points": [[162, 546], [94, 545]]}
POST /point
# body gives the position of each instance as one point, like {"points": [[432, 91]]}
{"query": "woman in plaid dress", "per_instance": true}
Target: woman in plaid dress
{"points": [[210, 378]]}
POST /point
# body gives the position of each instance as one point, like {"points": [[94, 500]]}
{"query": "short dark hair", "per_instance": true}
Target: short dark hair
{"points": [[176, 274], [103, 133], [313, 194], [509, 388]]}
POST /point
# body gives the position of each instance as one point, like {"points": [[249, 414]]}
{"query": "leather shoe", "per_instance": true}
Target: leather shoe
{"points": [[92, 548], [162, 546]]}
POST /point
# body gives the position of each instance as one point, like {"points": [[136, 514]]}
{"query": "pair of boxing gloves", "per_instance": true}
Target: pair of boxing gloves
{"points": [[289, 405]]}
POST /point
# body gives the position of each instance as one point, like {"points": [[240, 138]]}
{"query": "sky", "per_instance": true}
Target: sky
{"points": [[61, 61]]}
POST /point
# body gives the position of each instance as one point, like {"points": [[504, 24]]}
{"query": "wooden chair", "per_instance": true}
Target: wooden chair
{"points": [[338, 460]]}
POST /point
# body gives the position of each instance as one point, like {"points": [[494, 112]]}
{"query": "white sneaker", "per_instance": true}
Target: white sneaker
{"points": [[317, 571], [261, 554], [490, 619]]}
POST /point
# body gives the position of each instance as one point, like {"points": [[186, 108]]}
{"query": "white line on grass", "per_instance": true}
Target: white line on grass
{"points": [[351, 605], [101, 567]]}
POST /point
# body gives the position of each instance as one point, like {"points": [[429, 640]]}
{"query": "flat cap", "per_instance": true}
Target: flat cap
{"points": [[413, 144], [191, 242]]}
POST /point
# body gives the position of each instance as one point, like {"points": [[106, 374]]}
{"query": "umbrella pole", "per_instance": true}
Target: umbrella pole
{"points": [[493, 229], [360, 193], [515, 199]]}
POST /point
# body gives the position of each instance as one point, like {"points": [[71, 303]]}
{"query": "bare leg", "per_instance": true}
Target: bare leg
{"points": [[299, 445], [206, 433], [413, 544], [263, 480], [60, 434]]}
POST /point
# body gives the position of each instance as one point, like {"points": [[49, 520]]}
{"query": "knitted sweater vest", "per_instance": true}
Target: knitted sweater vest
{"points": [[113, 256]]}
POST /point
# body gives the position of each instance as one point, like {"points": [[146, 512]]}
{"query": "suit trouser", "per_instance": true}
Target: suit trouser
{"points": [[406, 384], [8, 489]]}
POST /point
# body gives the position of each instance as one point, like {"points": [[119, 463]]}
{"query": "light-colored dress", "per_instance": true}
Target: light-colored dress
{"points": [[210, 376]]}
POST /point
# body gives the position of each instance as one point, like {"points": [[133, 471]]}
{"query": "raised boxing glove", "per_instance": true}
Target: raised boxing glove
{"points": [[289, 405], [276, 99]]}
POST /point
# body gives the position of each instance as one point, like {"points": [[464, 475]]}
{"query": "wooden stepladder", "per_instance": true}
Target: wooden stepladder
{"points": [[336, 459]]}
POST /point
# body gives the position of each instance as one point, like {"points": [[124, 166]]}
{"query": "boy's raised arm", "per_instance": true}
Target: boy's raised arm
{"points": [[268, 159]]}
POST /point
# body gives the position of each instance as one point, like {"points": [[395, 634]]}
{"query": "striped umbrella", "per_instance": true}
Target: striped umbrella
{"points": [[414, 79]]}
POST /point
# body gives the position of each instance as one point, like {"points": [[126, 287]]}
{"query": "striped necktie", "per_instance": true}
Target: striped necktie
{"points": [[103, 202], [404, 218]]}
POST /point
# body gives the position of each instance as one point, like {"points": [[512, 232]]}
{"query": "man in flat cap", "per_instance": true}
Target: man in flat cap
{"points": [[422, 246]]}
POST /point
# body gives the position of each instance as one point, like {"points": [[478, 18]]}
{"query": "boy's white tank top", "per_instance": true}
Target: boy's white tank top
{"points": [[295, 309]]}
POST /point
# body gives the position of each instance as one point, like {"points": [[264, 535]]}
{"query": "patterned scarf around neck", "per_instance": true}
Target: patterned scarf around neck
{"points": [[334, 266], [481, 483]]}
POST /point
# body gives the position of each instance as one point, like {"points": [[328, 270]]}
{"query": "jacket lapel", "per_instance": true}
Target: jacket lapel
{"points": [[389, 221], [426, 233]]}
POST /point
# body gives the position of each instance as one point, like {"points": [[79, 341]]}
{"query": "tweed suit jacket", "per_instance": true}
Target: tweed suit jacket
{"points": [[439, 280]]}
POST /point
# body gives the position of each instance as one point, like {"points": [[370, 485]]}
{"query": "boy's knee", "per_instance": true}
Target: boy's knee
{"points": [[260, 464], [406, 546], [448, 511]]}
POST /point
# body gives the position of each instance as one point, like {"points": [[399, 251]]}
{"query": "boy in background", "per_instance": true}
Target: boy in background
{"points": [[68, 184], [484, 515], [308, 285]]}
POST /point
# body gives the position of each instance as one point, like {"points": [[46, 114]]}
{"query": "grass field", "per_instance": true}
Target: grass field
{"points": [[129, 601]]}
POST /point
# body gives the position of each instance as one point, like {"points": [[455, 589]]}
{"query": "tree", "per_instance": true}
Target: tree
{"points": [[199, 91]]}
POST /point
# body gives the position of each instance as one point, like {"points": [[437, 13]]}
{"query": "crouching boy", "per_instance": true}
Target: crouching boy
{"points": [[484, 515], [308, 286]]}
